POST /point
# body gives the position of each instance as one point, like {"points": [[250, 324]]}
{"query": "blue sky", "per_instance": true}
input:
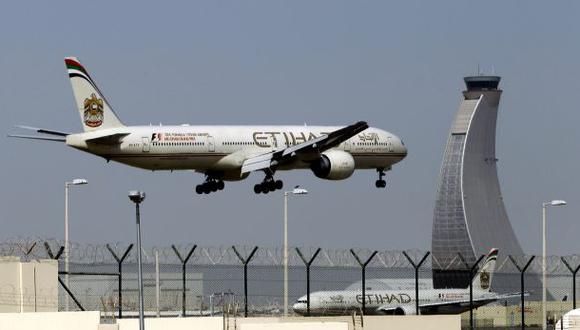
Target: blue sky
{"points": [[396, 64]]}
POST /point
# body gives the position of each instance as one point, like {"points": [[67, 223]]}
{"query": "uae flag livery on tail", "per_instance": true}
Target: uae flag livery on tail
{"points": [[95, 111]]}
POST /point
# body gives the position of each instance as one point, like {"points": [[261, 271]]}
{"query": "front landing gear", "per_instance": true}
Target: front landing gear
{"points": [[210, 185], [268, 185], [381, 183]]}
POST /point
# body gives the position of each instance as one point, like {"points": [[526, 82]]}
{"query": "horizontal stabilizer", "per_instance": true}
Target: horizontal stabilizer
{"points": [[43, 130], [33, 137]]}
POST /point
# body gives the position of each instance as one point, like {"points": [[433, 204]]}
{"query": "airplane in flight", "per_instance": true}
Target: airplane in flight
{"points": [[223, 153], [402, 301]]}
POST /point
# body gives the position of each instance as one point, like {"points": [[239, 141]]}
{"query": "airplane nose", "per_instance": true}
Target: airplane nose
{"points": [[403, 148], [400, 148], [299, 308]]}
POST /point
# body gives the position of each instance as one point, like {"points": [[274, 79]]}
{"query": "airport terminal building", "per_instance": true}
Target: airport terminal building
{"points": [[470, 216]]}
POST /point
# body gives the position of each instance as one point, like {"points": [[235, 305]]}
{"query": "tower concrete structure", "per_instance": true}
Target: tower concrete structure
{"points": [[470, 216]]}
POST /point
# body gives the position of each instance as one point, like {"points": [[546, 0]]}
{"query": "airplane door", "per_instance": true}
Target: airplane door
{"points": [[146, 144], [347, 145], [210, 144]]}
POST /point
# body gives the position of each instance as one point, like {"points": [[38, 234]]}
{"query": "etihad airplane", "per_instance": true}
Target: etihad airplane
{"points": [[402, 301], [223, 153]]}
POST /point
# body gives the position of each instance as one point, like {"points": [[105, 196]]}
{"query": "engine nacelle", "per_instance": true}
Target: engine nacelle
{"points": [[402, 310], [333, 165]]}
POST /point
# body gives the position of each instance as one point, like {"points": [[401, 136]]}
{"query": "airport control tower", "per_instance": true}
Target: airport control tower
{"points": [[470, 216]]}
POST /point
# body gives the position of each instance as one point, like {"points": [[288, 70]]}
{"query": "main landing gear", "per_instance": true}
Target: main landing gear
{"points": [[269, 184], [210, 185], [381, 183]]}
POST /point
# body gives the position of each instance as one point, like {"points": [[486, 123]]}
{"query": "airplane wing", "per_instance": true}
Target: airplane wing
{"points": [[43, 130], [432, 307], [306, 150]]}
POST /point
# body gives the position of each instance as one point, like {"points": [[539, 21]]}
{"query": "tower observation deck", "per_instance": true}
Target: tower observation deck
{"points": [[470, 217]]}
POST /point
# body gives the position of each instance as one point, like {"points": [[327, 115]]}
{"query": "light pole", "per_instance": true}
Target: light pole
{"points": [[137, 197], [296, 191], [544, 206], [75, 182]]}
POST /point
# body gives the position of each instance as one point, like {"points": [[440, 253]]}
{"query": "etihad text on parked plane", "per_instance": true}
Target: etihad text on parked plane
{"points": [[224, 153], [403, 301]]}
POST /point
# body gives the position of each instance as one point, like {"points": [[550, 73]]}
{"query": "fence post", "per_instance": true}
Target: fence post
{"points": [[522, 271], [120, 276], [157, 284], [56, 257], [416, 267], [308, 263], [183, 274], [363, 266], [27, 250], [471, 270], [574, 272], [50, 254], [245, 262]]}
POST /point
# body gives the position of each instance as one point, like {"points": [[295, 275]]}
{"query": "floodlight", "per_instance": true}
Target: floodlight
{"points": [[136, 196]]}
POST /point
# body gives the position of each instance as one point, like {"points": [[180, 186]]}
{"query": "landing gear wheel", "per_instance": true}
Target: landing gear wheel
{"points": [[380, 183], [279, 184], [268, 184], [206, 188], [211, 184], [199, 189]]}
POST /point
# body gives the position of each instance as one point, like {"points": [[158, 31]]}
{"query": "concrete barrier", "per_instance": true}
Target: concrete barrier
{"points": [[430, 322], [296, 326], [28, 286], [412, 322], [173, 323], [91, 320], [50, 321]]}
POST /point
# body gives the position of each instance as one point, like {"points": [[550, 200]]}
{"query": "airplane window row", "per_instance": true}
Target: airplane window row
{"points": [[177, 143], [238, 143], [372, 143], [242, 143]]}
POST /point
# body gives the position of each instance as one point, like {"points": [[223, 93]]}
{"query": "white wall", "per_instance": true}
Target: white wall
{"points": [[173, 323], [28, 286], [433, 322], [412, 322], [296, 326], [50, 321]]}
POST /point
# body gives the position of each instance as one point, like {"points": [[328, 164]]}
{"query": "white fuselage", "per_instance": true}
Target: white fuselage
{"points": [[398, 301], [224, 148]]}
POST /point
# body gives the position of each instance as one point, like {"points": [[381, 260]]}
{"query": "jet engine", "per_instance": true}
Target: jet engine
{"points": [[402, 310], [333, 165]]}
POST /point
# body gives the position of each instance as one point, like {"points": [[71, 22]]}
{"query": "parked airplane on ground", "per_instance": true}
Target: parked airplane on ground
{"points": [[402, 302], [224, 153]]}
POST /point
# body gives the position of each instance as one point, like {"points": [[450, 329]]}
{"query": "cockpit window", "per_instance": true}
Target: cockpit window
{"points": [[301, 301]]}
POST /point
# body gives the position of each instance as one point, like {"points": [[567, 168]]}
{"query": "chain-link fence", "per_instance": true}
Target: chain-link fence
{"points": [[194, 280]]}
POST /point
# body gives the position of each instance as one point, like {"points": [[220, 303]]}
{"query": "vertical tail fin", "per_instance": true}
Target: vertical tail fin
{"points": [[95, 111], [482, 281]]}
